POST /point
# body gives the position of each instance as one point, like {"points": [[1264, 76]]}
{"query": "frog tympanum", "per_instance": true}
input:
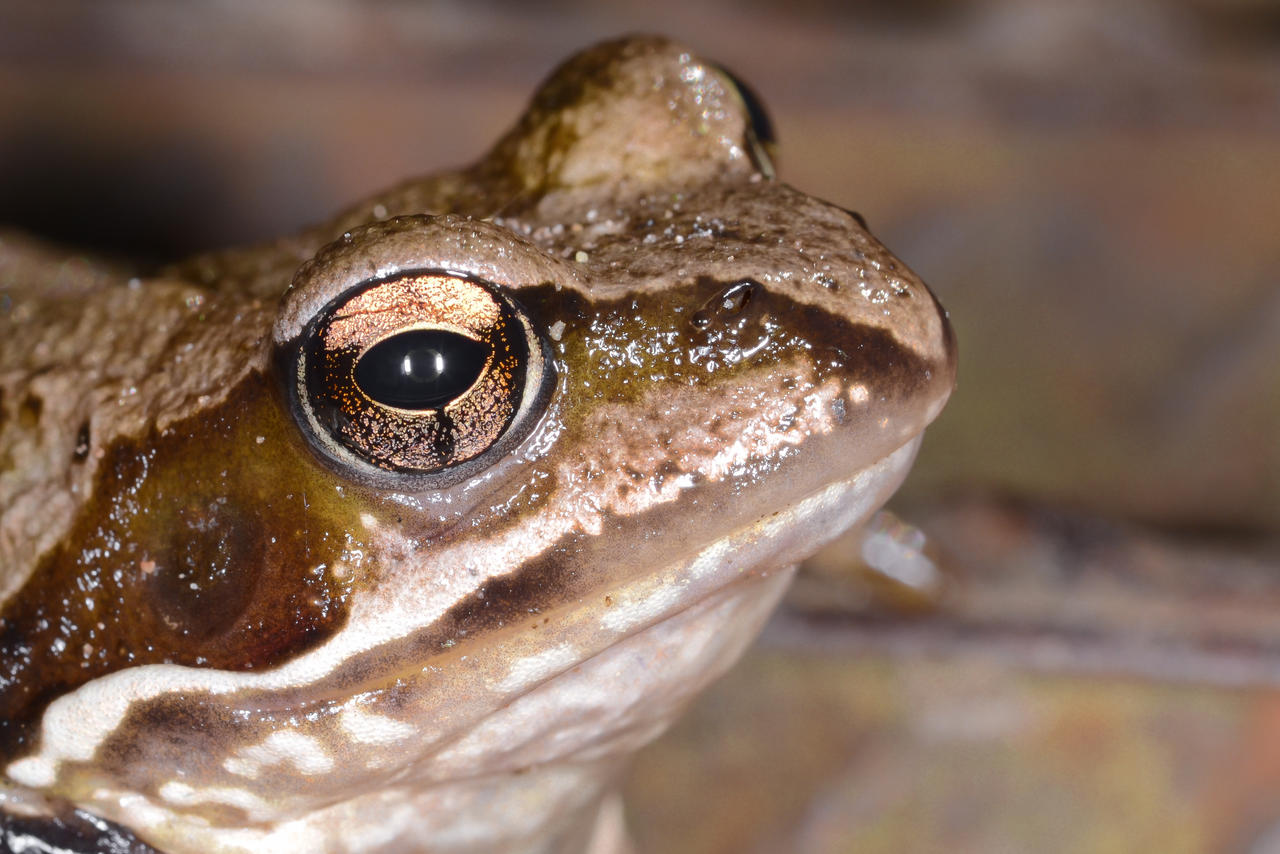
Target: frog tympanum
{"points": [[402, 533]]}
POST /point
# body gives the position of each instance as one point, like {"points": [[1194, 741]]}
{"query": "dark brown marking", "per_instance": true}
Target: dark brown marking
{"points": [[202, 546], [166, 731], [684, 334], [29, 411]]}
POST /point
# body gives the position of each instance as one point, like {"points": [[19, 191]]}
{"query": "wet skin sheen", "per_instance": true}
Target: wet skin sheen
{"points": [[404, 532]]}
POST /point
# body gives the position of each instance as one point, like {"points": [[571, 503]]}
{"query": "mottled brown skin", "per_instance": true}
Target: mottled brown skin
{"points": [[722, 350]]}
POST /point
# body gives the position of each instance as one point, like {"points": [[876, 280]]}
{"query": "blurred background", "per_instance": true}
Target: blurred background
{"points": [[1092, 189]]}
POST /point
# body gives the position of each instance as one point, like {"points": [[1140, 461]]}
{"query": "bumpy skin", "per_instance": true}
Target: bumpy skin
{"points": [[218, 642]]}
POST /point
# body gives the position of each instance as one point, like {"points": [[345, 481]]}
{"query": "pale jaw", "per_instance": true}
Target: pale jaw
{"points": [[575, 728], [530, 774]]}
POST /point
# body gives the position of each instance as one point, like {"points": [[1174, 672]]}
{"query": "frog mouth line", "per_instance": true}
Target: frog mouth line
{"points": [[750, 593], [750, 555]]}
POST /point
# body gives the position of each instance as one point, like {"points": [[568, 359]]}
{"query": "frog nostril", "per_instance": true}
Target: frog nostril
{"points": [[729, 302], [81, 451]]}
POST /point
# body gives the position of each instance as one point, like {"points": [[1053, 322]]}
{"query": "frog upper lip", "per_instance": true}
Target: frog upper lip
{"points": [[742, 559], [783, 536]]}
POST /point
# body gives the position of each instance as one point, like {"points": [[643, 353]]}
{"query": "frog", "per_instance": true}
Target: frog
{"points": [[403, 532]]}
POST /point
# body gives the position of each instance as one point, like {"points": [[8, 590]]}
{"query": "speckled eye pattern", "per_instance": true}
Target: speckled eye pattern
{"points": [[418, 373]]}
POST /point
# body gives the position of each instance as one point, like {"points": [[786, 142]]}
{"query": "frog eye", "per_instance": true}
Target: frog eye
{"points": [[418, 380]]}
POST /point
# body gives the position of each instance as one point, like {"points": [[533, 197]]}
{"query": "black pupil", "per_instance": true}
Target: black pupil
{"points": [[421, 369]]}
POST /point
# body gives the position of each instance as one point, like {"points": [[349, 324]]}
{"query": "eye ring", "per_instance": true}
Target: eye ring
{"points": [[417, 380]]}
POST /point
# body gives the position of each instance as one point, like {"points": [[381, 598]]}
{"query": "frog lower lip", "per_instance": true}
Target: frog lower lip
{"points": [[692, 618], [672, 630], [768, 548]]}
